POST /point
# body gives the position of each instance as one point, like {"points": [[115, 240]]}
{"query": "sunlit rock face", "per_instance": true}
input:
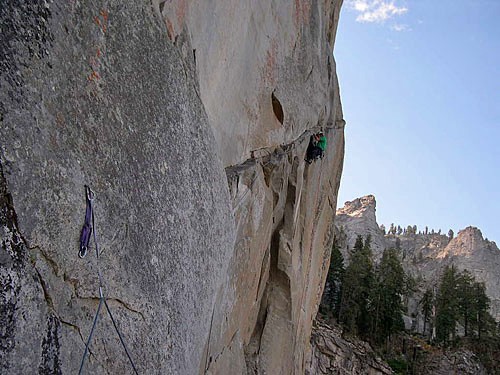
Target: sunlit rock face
{"points": [[267, 77], [190, 121], [359, 217], [266, 70], [469, 250], [425, 255], [284, 212]]}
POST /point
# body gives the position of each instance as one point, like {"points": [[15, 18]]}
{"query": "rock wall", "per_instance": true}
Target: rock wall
{"points": [[190, 121], [444, 362], [265, 68], [358, 217], [283, 208], [333, 354], [469, 250], [284, 211], [96, 93]]}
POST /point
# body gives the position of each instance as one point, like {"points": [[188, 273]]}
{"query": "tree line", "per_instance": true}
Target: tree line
{"points": [[367, 300], [459, 304], [411, 229]]}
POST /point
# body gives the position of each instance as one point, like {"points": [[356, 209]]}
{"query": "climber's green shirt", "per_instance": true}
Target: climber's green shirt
{"points": [[322, 143]]}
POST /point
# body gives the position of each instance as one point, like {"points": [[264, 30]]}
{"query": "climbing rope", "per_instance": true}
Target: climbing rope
{"points": [[88, 229]]}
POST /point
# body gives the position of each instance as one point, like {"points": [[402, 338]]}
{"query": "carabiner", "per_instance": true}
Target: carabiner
{"points": [[90, 194], [83, 252]]}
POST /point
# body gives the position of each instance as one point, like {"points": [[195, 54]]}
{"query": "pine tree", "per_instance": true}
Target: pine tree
{"points": [[451, 234], [387, 297], [358, 282], [462, 299], [447, 302], [481, 303], [466, 306], [409, 285], [358, 245], [426, 303], [367, 245], [330, 303]]}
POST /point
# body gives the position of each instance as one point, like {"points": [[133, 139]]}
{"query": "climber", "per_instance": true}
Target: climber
{"points": [[316, 147], [310, 149], [321, 143]]}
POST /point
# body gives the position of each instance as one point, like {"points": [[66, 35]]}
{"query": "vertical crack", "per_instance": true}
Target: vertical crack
{"points": [[208, 360], [13, 262]]}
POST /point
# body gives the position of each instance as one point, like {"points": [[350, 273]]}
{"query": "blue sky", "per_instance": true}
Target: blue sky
{"points": [[420, 88]]}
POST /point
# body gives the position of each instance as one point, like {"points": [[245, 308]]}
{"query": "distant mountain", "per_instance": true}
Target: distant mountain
{"points": [[425, 255]]}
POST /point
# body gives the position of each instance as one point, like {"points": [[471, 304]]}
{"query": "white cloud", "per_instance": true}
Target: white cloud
{"points": [[376, 10], [360, 5], [400, 27]]}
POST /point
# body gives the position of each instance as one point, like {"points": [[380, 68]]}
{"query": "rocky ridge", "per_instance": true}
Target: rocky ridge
{"points": [[425, 255]]}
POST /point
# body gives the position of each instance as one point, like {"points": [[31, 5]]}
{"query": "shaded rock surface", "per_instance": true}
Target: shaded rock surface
{"points": [[425, 255], [332, 354], [450, 362], [95, 93], [190, 121]]}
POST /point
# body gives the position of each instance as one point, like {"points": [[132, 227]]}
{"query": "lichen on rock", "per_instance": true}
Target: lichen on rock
{"points": [[190, 121]]}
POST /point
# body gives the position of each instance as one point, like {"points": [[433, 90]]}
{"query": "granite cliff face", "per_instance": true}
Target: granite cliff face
{"points": [[190, 120], [359, 217], [426, 255]]}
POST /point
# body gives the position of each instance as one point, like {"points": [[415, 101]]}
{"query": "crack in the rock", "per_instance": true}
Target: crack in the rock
{"points": [[309, 74], [52, 263], [55, 269], [31, 248], [262, 271], [207, 362], [97, 360], [10, 203], [112, 299], [73, 326], [127, 306], [46, 293], [50, 303], [331, 204], [224, 348]]}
